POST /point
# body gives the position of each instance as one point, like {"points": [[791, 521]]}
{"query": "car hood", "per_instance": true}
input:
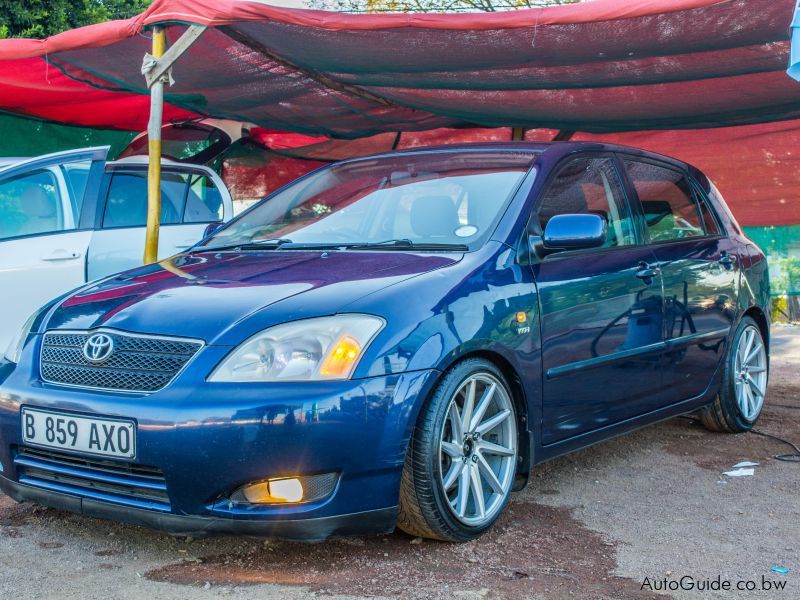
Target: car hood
{"points": [[202, 295]]}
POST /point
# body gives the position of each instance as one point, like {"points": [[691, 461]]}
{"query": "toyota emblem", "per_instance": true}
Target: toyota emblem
{"points": [[98, 348]]}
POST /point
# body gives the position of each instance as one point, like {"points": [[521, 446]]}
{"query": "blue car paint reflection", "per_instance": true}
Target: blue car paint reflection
{"points": [[602, 350]]}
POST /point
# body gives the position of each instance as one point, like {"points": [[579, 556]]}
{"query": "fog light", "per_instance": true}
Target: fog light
{"points": [[274, 491], [287, 490]]}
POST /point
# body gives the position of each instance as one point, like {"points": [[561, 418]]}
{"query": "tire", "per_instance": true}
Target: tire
{"points": [[744, 382], [446, 491]]}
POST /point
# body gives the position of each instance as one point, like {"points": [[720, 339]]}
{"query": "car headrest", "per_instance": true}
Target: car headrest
{"points": [[38, 204], [434, 216], [657, 207]]}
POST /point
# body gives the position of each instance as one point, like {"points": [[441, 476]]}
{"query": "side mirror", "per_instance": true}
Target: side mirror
{"points": [[574, 231], [212, 228]]}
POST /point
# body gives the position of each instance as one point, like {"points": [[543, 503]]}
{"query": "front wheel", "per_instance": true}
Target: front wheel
{"points": [[744, 384], [461, 462]]}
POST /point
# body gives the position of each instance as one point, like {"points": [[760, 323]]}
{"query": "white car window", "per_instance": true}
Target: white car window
{"points": [[185, 198], [126, 203], [31, 204], [203, 201], [76, 174]]}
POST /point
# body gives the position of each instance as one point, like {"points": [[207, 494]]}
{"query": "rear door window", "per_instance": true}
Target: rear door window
{"points": [[669, 203]]}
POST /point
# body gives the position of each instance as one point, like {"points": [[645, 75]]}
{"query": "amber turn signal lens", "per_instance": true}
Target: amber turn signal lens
{"points": [[521, 317], [342, 358]]}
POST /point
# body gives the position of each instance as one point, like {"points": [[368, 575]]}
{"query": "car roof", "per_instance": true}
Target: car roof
{"points": [[65, 154], [143, 159], [6, 161], [556, 149]]}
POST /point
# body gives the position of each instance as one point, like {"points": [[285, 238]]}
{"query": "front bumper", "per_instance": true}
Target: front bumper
{"points": [[304, 529], [210, 439]]}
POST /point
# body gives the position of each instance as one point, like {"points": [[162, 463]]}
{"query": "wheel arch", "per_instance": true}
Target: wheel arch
{"points": [[758, 315]]}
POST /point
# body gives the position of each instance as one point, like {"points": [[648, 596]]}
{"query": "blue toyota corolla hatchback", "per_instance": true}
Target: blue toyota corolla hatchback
{"points": [[394, 340]]}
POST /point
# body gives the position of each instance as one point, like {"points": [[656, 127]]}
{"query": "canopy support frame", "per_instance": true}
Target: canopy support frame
{"points": [[156, 73], [164, 63], [563, 135]]}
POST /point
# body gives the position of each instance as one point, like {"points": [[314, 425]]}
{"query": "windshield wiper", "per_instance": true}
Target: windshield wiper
{"points": [[406, 244], [271, 244], [287, 244]]}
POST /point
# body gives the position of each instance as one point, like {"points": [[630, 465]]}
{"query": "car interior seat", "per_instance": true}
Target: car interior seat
{"points": [[127, 203], [434, 217], [41, 211]]}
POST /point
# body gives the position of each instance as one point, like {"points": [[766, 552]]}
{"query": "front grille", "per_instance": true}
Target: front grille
{"points": [[110, 481], [137, 363]]}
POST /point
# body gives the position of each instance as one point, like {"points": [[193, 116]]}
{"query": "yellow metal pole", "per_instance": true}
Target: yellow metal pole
{"points": [[154, 150]]}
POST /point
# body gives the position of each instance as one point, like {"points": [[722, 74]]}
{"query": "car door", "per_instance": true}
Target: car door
{"points": [[191, 198], [600, 309], [46, 208], [699, 268]]}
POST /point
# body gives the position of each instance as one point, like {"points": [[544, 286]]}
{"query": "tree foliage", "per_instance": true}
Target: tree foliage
{"points": [[41, 18], [427, 6]]}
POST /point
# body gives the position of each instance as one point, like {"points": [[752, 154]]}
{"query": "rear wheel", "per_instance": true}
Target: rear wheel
{"points": [[462, 458], [741, 398]]}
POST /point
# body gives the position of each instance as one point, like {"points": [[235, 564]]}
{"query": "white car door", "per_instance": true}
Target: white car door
{"points": [[192, 197], [46, 213]]}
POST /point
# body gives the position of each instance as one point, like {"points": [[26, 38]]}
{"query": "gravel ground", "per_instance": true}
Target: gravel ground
{"points": [[594, 524]]}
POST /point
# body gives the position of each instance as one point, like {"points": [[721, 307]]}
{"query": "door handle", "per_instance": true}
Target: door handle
{"points": [[726, 260], [646, 272], [61, 255]]}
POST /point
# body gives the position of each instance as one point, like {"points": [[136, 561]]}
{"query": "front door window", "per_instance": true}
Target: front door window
{"points": [[590, 185], [30, 204]]}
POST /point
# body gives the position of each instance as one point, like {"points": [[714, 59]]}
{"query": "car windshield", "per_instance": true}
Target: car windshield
{"points": [[435, 199]]}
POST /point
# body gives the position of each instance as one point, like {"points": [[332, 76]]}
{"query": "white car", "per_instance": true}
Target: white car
{"points": [[71, 217]]}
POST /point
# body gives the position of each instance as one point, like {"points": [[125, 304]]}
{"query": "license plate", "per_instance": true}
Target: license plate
{"points": [[101, 436]]}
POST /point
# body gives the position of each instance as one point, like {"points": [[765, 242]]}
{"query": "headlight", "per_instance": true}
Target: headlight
{"points": [[14, 351], [323, 348]]}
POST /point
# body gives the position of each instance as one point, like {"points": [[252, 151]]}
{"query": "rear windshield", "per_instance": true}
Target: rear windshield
{"points": [[185, 142], [425, 198]]}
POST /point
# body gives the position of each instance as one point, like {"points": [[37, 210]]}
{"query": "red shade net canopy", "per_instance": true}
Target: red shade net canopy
{"points": [[605, 67], [602, 66]]}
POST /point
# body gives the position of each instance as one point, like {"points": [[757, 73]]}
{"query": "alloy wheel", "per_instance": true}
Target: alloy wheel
{"points": [[750, 373], [478, 449]]}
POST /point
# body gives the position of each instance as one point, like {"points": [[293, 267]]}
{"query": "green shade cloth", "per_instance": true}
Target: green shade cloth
{"points": [[782, 246], [31, 137]]}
